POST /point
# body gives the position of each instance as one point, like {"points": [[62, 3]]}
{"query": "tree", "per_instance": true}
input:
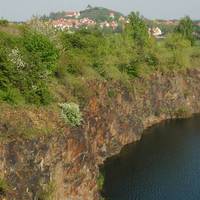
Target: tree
{"points": [[138, 29], [186, 28], [179, 47], [41, 48], [3, 22]]}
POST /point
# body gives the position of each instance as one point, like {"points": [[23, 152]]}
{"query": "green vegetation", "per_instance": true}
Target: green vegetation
{"points": [[99, 14], [180, 49], [26, 63], [3, 22], [112, 93], [47, 192], [186, 29], [100, 181], [71, 114], [182, 112], [138, 29], [3, 187], [40, 66]]}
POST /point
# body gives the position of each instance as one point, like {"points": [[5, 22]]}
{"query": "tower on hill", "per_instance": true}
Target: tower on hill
{"points": [[88, 7]]}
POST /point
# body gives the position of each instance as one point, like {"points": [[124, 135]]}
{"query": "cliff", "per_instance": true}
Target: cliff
{"points": [[64, 165]]}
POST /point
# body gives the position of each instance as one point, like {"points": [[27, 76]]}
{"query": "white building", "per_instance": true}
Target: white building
{"points": [[156, 32], [112, 15], [72, 14]]}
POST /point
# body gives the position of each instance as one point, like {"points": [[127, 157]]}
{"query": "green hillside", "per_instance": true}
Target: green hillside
{"points": [[99, 14]]}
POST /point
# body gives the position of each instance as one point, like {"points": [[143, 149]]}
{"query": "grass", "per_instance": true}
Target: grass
{"points": [[182, 112], [3, 187], [100, 181], [28, 121], [47, 192]]}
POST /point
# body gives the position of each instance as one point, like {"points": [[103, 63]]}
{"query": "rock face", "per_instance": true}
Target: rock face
{"points": [[65, 166]]}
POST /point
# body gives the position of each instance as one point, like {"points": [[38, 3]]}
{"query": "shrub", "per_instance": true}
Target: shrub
{"points": [[41, 48], [100, 181], [4, 22], [12, 96], [40, 56], [180, 50], [138, 29], [38, 94], [3, 187], [71, 114], [26, 63], [182, 112], [186, 29], [177, 42], [83, 49], [47, 192], [112, 93]]}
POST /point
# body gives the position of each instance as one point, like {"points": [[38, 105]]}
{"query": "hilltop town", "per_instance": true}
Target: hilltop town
{"points": [[105, 19], [73, 20], [90, 17]]}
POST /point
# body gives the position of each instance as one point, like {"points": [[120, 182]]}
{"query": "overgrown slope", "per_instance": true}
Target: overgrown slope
{"points": [[109, 86], [59, 162]]}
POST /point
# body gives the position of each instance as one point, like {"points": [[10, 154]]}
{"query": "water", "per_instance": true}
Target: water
{"points": [[164, 165]]}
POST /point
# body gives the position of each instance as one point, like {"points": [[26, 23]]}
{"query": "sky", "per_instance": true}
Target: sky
{"points": [[20, 10]]}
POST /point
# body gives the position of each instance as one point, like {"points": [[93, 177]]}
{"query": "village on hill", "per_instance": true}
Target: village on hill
{"points": [[93, 17], [77, 19], [72, 20], [105, 19]]}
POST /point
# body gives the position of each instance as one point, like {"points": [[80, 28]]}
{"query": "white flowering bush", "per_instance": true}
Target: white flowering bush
{"points": [[71, 114], [16, 58], [27, 62]]}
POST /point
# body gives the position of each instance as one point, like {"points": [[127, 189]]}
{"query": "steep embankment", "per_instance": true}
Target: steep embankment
{"points": [[64, 165]]}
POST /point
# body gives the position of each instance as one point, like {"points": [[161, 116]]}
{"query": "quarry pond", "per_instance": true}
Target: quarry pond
{"points": [[163, 165]]}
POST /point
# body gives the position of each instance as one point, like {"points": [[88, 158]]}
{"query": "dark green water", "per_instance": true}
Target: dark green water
{"points": [[164, 165]]}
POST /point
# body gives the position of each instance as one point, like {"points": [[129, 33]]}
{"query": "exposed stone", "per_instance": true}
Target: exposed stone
{"points": [[70, 160]]}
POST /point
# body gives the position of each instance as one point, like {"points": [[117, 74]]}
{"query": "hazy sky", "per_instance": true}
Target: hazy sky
{"points": [[24, 9]]}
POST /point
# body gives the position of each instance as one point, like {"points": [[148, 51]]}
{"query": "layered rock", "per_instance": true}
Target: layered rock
{"points": [[115, 116]]}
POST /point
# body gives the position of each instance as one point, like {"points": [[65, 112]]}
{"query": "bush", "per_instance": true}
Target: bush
{"points": [[186, 29], [4, 22], [26, 63], [41, 49], [100, 181], [12, 96], [47, 192], [177, 42], [71, 114], [3, 187], [182, 112], [138, 29], [180, 50], [84, 49]]}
